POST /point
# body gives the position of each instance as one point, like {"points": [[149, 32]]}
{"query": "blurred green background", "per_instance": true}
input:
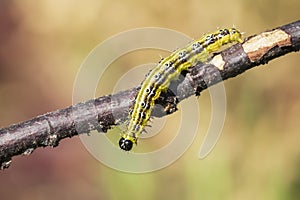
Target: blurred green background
{"points": [[43, 43]]}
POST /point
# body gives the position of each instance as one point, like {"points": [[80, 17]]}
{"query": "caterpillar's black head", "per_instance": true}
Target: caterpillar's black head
{"points": [[125, 144]]}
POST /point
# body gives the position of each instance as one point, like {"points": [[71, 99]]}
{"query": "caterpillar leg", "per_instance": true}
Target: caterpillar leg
{"points": [[171, 105]]}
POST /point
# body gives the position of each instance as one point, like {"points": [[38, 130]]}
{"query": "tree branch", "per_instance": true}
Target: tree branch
{"points": [[104, 112]]}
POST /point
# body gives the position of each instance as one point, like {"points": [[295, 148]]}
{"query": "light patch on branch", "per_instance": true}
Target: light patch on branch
{"points": [[218, 62], [257, 46]]}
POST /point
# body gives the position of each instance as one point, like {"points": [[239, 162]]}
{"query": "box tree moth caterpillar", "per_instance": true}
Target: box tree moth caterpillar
{"points": [[167, 70]]}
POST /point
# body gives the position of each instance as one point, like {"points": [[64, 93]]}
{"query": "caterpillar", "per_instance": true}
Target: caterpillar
{"points": [[167, 70]]}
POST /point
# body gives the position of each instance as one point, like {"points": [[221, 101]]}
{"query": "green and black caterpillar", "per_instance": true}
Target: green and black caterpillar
{"points": [[167, 70]]}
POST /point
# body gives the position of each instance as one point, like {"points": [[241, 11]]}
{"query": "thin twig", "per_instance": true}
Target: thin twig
{"points": [[104, 112]]}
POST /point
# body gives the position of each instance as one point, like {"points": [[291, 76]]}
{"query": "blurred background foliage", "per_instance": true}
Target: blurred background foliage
{"points": [[43, 43]]}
